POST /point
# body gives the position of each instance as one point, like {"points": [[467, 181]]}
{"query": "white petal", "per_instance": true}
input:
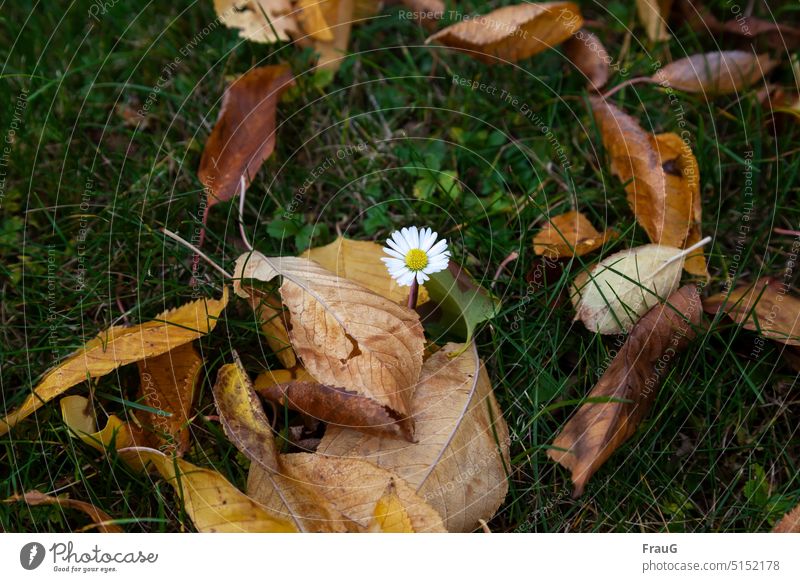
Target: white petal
{"points": [[413, 237], [393, 264], [398, 242], [438, 248], [406, 279], [421, 277], [394, 253], [427, 243]]}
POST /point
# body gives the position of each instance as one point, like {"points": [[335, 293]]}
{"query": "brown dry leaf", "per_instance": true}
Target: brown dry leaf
{"points": [[570, 234], [244, 135], [684, 209], [767, 308], [79, 416], [789, 523], [249, 17], [654, 15], [100, 519], [597, 429], [338, 14], [715, 73], [512, 33], [458, 464], [168, 384], [270, 313], [390, 516], [212, 503], [590, 57], [312, 19], [360, 261], [118, 346], [347, 337]]}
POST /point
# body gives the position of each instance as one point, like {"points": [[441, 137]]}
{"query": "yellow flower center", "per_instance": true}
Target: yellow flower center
{"points": [[416, 259]]}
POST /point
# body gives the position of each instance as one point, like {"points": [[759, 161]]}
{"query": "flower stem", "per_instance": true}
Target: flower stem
{"points": [[413, 294]]}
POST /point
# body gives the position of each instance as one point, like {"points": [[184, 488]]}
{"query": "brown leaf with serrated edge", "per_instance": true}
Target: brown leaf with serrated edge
{"points": [[360, 261], [212, 503], [789, 523], [244, 135], [587, 54], [271, 315], [168, 384], [265, 21], [569, 235], [654, 15], [715, 73], [512, 33], [118, 346], [345, 335], [459, 463], [100, 519], [598, 429], [768, 308]]}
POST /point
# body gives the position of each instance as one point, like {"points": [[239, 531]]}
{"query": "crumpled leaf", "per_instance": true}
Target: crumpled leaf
{"points": [[314, 495], [654, 15], [100, 519], [768, 308], [249, 17], [590, 57], [81, 419], [458, 464], [629, 383], [360, 261], [615, 293], [570, 234], [458, 304], [168, 385], [715, 73], [244, 135], [512, 33], [347, 337], [118, 346], [789, 523], [270, 313], [212, 503]]}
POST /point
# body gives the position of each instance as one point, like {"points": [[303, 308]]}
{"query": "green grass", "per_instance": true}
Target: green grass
{"points": [[719, 451]]}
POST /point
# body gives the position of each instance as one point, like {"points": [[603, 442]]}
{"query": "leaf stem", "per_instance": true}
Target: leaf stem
{"points": [[413, 294], [634, 81], [241, 215], [685, 252], [197, 251]]}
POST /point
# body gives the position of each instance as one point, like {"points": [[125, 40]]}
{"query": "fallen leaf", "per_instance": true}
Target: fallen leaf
{"points": [[168, 385], [426, 12], [654, 15], [590, 57], [512, 33], [100, 519], [265, 21], [461, 304], [569, 235], [269, 313], [715, 73], [347, 337], [629, 384], [81, 419], [790, 523], [118, 346], [390, 516], [459, 463], [768, 308], [365, 9], [244, 135], [312, 19], [360, 261], [338, 14], [615, 293], [212, 503]]}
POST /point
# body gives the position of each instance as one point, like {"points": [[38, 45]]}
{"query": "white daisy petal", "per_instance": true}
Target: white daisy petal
{"points": [[422, 277], [427, 243], [406, 278], [400, 242], [394, 253], [438, 248], [394, 264]]}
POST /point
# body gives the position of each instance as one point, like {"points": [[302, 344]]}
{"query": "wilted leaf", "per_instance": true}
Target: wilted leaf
{"points": [[270, 314], [616, 292], [390, 516], [630, 384], [512, 33], [168, 384], [360, 261], [767, 308], [568, 235], [790, 523], [118, 346], [212, 503], [715, 73], [654, 15], [244, 135], [461, 304], [590, 57], [347, 337], [81, 419], [100, 519], [458, 464], [264, 21]]}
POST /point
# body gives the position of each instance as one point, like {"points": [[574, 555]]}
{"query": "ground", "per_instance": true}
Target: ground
{"points": [[417, 135]]}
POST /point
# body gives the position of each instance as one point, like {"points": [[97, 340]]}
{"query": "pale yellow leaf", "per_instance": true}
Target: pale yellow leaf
{"points": [[266, 21]]}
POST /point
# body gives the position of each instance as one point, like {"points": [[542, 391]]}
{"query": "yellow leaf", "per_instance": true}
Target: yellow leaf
{"points": [[654, 15], [568, 235], [338, 14], [212, 503], [390, 516], [249, 17], [312, 19], [118, 346], [270, 314], [81, 420]]}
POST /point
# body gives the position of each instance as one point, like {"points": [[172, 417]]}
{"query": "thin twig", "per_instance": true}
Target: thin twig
{"points": [[197, 251], [241, 215], [629, 82], [511, 257], [785, 231]]}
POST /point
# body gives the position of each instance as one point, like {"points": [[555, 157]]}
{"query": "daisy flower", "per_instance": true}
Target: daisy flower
{"points": [[414, 254]]}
